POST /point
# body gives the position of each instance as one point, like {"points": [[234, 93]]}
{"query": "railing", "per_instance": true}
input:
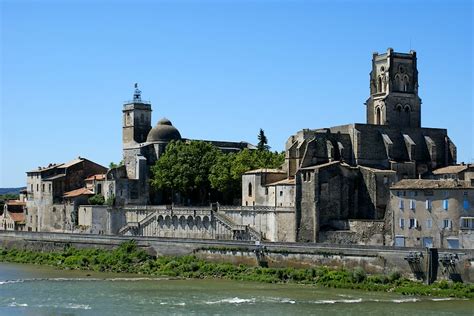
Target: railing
{"points": [[137, 101], [256, 208]]}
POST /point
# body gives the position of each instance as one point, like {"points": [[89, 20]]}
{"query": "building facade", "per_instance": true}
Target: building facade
{"points": [[432, 213]]}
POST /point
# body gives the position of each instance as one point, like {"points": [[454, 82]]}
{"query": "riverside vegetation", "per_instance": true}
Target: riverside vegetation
{"points": [[131, 259]]}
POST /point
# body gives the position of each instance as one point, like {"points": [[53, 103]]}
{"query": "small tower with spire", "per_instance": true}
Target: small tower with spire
{"points": [[136, 119]]}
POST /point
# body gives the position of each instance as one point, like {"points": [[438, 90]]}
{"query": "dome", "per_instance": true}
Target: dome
{"points": [[163, 131]]}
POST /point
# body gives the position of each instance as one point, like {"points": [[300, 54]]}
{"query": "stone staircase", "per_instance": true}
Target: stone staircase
{"points": [[137, 225], [230, 224]]}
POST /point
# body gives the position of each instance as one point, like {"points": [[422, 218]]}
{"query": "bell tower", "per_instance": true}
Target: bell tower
{"points": [[136, 119], [394, 97]]}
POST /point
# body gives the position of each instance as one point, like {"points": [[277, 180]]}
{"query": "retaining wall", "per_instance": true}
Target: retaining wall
{"points": [[373, 259]]}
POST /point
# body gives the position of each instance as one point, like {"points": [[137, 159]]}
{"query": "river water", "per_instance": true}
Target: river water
{"points": [[34, 290]]}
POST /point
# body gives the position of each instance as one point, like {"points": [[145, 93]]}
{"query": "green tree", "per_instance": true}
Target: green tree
{"points": [[114, 165], [97, 199], [226, 175], [262, 141], [185, 168]]}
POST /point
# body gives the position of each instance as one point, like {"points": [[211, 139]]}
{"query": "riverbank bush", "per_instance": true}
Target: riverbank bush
{"points": [[131, 259]]}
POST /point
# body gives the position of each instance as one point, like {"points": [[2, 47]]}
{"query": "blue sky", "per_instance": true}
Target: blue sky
{"points": [[217, 69]]}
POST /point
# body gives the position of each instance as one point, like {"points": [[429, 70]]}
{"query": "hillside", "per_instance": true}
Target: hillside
{"points": [[11, 190]]}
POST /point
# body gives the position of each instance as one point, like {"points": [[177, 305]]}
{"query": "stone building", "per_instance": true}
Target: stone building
{"points": [[13, 215], [432, 213], [52, 194], [344, 172], [459, 172]]}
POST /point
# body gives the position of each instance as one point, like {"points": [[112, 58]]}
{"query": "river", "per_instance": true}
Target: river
{"points": [[36, 290]]}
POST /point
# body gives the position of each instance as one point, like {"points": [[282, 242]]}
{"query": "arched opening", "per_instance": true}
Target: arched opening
{"points": [[250, 189], [406, 82], [397, 82], [407, 114], [379, 84], [378, 117]]}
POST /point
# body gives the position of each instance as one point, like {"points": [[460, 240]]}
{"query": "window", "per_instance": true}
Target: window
{"points": [[453, 243], [428, 205], [398, 193], [309, 176], [447, 224], [385, 179], [31, 187], [304, 176], [412, 204], [49, 187], [413, 223], [467, 222], [42, 188], [250, 189], [429, 223], [281, 193], [466, 205], [400, 204], [428, 242], [402, 223], [445, 204], [266, 191], [399, 241], [37, 187]]}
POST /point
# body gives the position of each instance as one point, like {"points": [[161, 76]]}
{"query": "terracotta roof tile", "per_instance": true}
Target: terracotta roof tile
{"points": [[15, 202], [450, 169], [78, 192], [17, 216], [283, 182], [96, 177], [431, 184]]}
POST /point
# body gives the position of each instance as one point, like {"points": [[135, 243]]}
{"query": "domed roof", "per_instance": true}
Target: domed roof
{"points": [[163, 131]]}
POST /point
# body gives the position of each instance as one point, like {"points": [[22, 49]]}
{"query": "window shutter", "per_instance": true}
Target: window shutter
{"points": [[445, 204]]}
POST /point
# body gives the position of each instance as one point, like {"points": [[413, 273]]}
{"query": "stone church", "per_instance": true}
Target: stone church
{"points": [[344, 173], [142, 147]]}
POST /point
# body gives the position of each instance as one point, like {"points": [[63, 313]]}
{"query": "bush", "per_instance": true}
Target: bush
{"points": [[358, 275], [97, 199], [394, 276]]}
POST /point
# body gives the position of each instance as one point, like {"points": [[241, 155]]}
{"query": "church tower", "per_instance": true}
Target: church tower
{"points": [[136, 119], [394, 97]]}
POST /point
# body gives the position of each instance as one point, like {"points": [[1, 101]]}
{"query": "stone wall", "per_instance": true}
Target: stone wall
{"points": [[374, 259]]}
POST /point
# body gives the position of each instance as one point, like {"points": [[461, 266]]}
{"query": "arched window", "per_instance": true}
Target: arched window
{"points": [[397, 82], [250, 189], [379, 84], [406, 82], [378, 119]]}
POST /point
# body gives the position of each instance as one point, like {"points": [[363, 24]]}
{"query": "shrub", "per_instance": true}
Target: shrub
{"points": [[97, 199], [358, 275]]}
